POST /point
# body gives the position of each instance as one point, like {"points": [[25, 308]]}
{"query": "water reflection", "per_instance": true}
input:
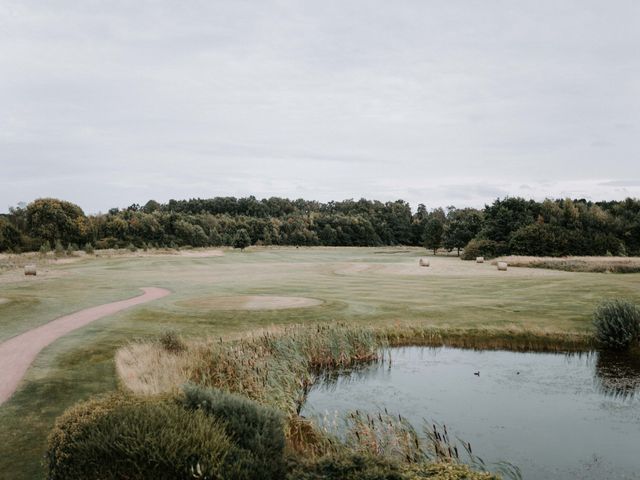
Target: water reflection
{"points": [[561, 416], [617, 374]]}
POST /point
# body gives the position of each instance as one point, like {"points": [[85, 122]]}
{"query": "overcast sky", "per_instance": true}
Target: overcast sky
{"points": [[107, 103]]}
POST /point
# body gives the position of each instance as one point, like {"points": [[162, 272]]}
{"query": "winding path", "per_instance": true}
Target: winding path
{"points": [[17, 353]]}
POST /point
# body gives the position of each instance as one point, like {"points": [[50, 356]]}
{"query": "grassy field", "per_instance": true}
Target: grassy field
{"points": [[365, 286]]}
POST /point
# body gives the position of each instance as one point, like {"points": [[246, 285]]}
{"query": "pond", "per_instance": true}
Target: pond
{"points": [[561, 416]]}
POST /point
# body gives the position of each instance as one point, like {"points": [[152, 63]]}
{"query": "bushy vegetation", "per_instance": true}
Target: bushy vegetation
{"points": [[278, 368], [355, 466], [617, 324], [481, 248], [206, 434], [257, 432], [507, 226], [171, 342], [252, 390], [118, 437]]}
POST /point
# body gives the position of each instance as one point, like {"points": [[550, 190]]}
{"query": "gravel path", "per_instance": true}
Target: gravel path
{"points": [[17, 353]]}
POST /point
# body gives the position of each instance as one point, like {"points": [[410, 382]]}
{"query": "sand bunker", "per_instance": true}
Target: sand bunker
{"points": [[251, 302]]}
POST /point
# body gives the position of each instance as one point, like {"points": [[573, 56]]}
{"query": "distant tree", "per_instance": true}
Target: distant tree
{"points": [[10, 236], [151, 206], [215, 238], [433, 232], [45, 247], [504, 217], [267, 239], [242, 239], [461, 226], [52, 219], [59, 249], [537, 239]]}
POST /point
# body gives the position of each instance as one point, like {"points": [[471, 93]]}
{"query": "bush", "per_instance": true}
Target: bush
{"points": [[617, 324], [171, 342], [345, 467], [242, 239], [258, 432], [88, 248], [107, 242], [482, 248], [59, 249], [118, 437], [132, 248], [45, 247]]}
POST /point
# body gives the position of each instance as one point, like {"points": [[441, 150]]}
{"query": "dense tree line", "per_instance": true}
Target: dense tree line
{"points": [[507, 226]]}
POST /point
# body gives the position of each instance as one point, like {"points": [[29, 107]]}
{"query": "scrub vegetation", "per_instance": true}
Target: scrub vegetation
{"points": [[617, 324], [255, 387]]}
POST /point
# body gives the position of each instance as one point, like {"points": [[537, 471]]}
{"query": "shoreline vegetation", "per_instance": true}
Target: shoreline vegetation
{"points": [[278, 366]]}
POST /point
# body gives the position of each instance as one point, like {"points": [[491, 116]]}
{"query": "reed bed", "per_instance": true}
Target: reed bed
{"points": [[273, 367], [510, 338], [277, 367], [576, 264]]}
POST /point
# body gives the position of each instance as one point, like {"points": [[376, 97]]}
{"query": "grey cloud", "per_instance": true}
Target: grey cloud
{"points": [[111, 103]]}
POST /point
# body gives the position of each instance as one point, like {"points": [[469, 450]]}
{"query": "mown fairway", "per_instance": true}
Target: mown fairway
{"points": [[357, 285]]}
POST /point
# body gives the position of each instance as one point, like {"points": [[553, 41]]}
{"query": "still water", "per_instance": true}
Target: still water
{"points": [[573, 416]]}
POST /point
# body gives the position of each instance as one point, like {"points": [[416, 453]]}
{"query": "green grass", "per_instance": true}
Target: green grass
{"points": [[81, 364]]}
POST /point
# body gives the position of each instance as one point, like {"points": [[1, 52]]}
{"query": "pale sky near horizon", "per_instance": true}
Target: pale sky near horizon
{"points": [[438, 102]]}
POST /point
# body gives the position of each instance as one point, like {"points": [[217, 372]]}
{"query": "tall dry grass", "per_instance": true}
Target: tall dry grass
{"points": [[273, 367], [576, 264]]}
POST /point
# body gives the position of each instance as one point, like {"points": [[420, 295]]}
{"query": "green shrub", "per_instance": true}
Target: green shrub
{"points": [[258, 432], [171, 342], [45, 247], [356, 466], [107, 242], [482, 248], [345, 466], [132, 248], [88, 248], [59, 249], [134, 439], [242, 239], [617, 324]]}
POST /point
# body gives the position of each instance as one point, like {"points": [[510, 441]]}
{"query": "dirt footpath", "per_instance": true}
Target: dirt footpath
{"points": [[17, 353]]}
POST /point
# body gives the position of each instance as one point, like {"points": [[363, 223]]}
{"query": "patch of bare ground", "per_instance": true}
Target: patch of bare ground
{"points": [[576, 264], [250, 302]]}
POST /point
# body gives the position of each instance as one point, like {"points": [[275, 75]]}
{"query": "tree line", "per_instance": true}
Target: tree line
{"points": [[507, 226]]}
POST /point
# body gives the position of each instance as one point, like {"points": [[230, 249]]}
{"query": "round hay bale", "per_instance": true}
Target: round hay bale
{"points": [[502, 266], [479, 259], [30, 270], [424, 262]]}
